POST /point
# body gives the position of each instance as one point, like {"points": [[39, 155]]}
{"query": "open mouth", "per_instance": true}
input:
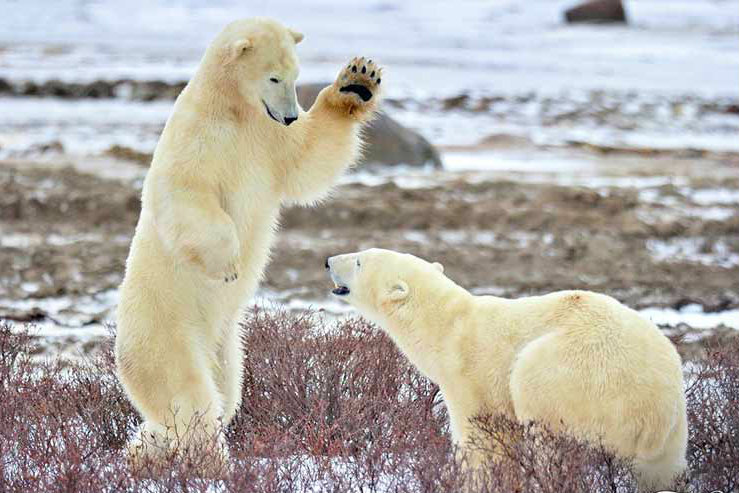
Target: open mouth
{"points": [[270, 112], [340, 290]]}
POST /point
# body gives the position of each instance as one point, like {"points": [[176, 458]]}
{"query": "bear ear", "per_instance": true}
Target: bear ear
{"points": [[439, 267], [399, 291], [240, 47], [297, 37]]}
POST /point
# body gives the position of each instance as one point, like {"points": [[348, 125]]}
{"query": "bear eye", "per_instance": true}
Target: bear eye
{"points": [[273, 79], [358, 264]]}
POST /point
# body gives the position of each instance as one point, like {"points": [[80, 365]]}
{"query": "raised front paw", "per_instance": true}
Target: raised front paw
{"points": [[358, 86]]}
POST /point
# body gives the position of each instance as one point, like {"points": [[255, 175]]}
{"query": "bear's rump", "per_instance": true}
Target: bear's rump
{"points": [[594, 398]]}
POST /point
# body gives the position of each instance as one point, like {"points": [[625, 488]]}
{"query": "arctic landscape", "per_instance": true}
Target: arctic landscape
{"points": [[526, 154], [555, 156]]}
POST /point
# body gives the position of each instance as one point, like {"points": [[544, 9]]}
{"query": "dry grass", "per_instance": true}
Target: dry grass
{"points": [[326, 408]]}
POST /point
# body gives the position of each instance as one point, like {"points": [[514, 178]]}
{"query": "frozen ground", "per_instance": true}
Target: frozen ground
{"points": [[661, 235]]}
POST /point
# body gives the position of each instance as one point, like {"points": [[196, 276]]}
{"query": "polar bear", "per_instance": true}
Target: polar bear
{"points": [[235, 148], [577, 361]]}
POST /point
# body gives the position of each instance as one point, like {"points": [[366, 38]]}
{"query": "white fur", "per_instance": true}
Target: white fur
{"points": [[577, 361], [210, 205]]}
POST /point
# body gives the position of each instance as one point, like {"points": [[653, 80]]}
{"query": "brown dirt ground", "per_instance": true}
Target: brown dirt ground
{"points": [[67, 233]]}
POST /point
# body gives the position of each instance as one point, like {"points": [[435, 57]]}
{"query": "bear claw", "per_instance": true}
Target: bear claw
{"points": [[360, 78]]}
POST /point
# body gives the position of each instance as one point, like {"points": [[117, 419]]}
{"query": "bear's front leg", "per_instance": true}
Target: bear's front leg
{"points": [[214, 249], [195, 229], [327, 140]]}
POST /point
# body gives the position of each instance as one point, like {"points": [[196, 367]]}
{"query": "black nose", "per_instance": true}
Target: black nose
{"points": [[327, 266], [289, 120]]}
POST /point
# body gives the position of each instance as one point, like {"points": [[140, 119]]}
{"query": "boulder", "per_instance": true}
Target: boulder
{"points": [[388, 142], [598, 11], [99, 89], [154, 90]]}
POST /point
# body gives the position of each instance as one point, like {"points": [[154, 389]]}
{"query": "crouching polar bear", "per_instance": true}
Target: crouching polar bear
{"points": [[575, 360], [236, 147]]}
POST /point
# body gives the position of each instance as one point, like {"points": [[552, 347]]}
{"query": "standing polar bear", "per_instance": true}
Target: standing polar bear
{"points": [[236, 147], [577, 361]]}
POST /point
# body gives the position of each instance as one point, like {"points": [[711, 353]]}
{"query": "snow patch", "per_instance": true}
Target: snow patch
{"points": [[692, 315]]}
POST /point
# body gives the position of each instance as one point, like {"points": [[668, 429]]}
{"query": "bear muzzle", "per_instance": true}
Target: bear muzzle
{"points": [[340, 289]]}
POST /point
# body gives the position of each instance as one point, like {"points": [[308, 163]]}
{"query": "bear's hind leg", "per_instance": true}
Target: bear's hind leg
{"points": [[149, 447], [196, 421], [176, 394], [230, 371], [660, 473]]}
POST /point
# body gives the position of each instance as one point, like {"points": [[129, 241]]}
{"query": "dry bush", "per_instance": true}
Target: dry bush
{"points": [[713, 416], [315, 384], [530, 458], [327, 407]]}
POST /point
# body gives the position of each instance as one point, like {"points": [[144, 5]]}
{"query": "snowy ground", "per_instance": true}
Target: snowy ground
{"points": [[647, 113], [503, 229], [430, 48], [653, 77]]}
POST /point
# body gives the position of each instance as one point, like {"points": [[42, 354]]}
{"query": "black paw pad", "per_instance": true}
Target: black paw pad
{"points": [[360, 91]]}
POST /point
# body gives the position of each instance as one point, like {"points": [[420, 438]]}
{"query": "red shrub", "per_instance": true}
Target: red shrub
{"points": [[329, 407], [713, 416]]}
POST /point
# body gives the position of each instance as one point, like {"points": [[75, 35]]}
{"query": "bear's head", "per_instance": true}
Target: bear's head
{"points": [[255, 61], [378, 282]]}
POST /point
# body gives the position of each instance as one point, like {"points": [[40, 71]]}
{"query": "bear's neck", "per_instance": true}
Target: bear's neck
{"points": [[428, 323], [215, 94]]}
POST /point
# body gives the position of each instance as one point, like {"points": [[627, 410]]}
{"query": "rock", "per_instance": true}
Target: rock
{"points": [[53, 146], [455, 102], [505, 141], [98, 89], [388, 142], [154, 90], [29, 88], [128, 154], [54, 88], [149, 91], [598, 11]]}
